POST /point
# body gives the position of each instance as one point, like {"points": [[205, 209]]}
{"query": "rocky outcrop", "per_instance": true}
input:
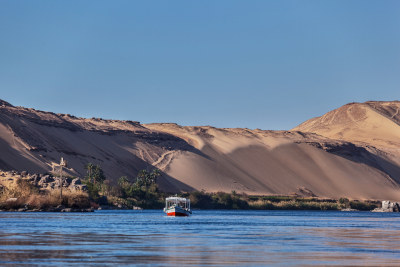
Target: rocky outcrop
{"points": [[5, 104], [42, 181], [76, 184], [45, 180], [388, 206]]}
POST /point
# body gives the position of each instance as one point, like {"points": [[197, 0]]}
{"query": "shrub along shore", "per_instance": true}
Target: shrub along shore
{"points": [[143, 193], [199, 200]]}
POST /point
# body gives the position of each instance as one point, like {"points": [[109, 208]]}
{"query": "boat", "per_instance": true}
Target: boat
{"points": [[177, 206]]}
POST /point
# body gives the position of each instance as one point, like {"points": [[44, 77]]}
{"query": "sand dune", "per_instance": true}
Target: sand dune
{"points": [[374, 123], [324, 156], [278, 162]]}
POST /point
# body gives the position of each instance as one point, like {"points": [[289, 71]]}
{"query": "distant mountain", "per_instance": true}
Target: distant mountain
{"points": [[324, 156]]}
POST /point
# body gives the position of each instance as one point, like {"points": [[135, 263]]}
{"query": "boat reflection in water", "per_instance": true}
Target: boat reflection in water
{"points": [[177, 206]]}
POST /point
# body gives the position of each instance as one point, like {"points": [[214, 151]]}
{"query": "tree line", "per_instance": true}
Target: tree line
{"points": [[141, 191]]}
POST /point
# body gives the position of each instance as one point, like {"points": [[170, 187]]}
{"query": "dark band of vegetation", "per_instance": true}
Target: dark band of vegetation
{"points": [[143, 192]]}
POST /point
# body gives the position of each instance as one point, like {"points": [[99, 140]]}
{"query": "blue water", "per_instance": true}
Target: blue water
{"points": [[216, 238]]}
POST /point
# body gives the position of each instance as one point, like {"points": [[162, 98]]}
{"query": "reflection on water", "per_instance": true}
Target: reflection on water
{"points": [[206, 238]]}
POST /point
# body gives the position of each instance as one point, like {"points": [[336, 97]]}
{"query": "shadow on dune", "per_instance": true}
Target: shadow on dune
{"points": [[13, 159], [169, 184], [361, 155], [47, 135], [171, 142], [103, 148], [115, 149]]}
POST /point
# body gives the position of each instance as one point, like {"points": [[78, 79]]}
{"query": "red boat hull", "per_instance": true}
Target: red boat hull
{"points": [[177, 214], [173, 209]]}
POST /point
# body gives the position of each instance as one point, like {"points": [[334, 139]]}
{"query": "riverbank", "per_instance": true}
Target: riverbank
{"points": [[26, 192], [23, 195], [199, 200], [233, 200], [49, 202]]}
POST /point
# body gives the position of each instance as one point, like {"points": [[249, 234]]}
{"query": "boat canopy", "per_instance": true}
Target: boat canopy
{"points": [[177, 201], [180, 199]]}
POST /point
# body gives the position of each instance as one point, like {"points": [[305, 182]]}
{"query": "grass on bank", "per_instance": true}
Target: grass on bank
{"points": [[222, 200], [24, 195], [143, 192]]}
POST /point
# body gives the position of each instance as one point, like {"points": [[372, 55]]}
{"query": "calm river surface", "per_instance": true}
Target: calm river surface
{"points": [[246, 238]]}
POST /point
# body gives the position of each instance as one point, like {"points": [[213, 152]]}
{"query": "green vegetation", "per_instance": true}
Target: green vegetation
{"points": [[143, 192], [364, 206], [222, 200], [94, 180], [219, 200]]}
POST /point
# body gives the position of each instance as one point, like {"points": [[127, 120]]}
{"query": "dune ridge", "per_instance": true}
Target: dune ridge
{"points": [[349, 152], [376, 123]]}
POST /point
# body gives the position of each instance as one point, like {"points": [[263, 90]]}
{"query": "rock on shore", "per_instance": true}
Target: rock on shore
{"points": [[42, 181], [388, 206]]}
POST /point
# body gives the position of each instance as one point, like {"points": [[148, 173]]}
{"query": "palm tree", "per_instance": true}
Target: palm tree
{"points": [[98, 174], [122, 181], [94, 173], [154, 174], [89, 169]]}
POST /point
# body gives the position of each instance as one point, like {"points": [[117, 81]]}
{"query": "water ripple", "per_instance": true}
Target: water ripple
{"points": [[208, 238]]}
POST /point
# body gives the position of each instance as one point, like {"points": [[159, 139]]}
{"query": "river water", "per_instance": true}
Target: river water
{"points": [[207, 238]]}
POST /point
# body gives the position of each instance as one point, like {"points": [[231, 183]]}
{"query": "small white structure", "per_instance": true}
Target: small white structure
{"points": [[63, 162], [177, 206], [388, 206]]}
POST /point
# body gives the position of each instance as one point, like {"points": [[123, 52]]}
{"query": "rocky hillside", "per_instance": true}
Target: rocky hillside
{"points": [[303, 161]]}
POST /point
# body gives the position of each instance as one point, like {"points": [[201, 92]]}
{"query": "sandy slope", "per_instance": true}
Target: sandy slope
{"points": [[276, 162], [196, 158], [371, 124], [375, 123]]}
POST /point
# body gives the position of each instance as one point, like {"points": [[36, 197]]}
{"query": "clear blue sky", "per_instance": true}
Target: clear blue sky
{"points": [[255, 64]]}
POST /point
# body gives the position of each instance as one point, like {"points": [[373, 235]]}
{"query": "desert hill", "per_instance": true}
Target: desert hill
{"points": [[370, 124], [205, 158], [376, 123]]}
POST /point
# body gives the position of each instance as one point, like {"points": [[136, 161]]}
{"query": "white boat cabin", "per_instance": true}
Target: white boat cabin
{"points": [[171, 202]]}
